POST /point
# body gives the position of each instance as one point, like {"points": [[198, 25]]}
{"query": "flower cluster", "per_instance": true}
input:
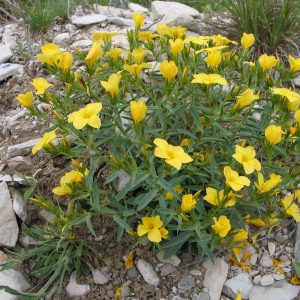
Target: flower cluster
{"points": [[209, 139]]}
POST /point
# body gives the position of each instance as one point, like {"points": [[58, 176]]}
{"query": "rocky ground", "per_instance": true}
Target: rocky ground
{"points": [[265, 274]]}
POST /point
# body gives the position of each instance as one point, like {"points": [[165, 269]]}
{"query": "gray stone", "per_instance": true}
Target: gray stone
{"points": [[6, 131], [82, 44], [8, 224], [173, 260], [99, 276], [124, 179], [7, 70], [167, 269], [137, 8], [14, 280], [6, 178], [266, 260], [89, 19], [297, 243], [121, 21], [215, 276], [267, 279], [13, 119], [271, 248], [61, 38], [195, 272], [20, 163], [110, 11], [21, 149], [132, 273], [280, 290], [148, 273], [19, 204], [241, 282], [201, 296], [76, 290], [186, 284], [9, 37], [278, 276], [5, 53]]}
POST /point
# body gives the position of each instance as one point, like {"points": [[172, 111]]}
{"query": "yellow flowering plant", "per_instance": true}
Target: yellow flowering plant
{"points": [[190, 132]]}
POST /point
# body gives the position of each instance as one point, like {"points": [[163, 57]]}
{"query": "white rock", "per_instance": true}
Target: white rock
{"points": [[110, 11], [6, 178], [5, 53], [257, 279], [271, 248], [9, 37], [167, 269], [12, 120], [215, 276], [148, 273], [121, 21], [82, 44], [267, 279], [297, 242], [253, 259], [241, 282], [19, 204], [137, 8], [7, 70], [120, 41], [173, 260], [62, 37], [124, 179], [21, 149], [99, 276], [280, 290], [266, 260], [76, 290], [278, 276], [9, 229], [89, 19], [14, 280], [195, 272]]}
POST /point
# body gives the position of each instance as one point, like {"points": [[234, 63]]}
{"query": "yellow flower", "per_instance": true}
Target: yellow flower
{"points": [[265, 186], [66, 182], [40, 84], [138, 55], [172, 32], [45, 141], [87, 115], [138, 111], [221, 226], [139, 19], [233, 179], [129, 261], [97, 37], [257, 222], [188, 202], [294, 63], [177, 189], [267, 62], [136, 69], [213, 58], [221, 40], [247, 40], [213, 196], [297, 116], [147, 36], [164, 232], [112, 84], [174, 155], [116, 52], [209, 79], [246, 98], [25, 99], [290, 208], [246, 157], [240, 236], [238, 296], [176, 46], [50, 54], [65, 61], [286, 93], [94, 54], [151, 226], [168, 69], [273, 134]]}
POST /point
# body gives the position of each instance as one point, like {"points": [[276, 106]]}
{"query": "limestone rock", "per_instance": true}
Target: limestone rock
{"points": [[76, 290], [137, 8], [241, 282], [7, 70], [5, 53], [148, 273], [61, 38], [8, 224], [21, 149], [99, 276], [89, 19], [173, 260], [19, 204]]}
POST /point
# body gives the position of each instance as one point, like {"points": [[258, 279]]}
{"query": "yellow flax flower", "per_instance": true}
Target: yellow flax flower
{"points": [[188, 202], [174, 155], [87, 115], [172, 32], [246, 98], [238, 296], [209, 79], [246, 157], [240, 236], [50, 54], [45, 141], [94, 54], [297, 116], [67, 181], [221, 226], [66, 61], [41, 85], [177, 189], [138, 55], [291, 208], [147, 36], [164, 232], [97, 37], [247, 40], [265, 186], [213, 196], [222, 40], [26, 99], [233, 179], [286, 93], [112, 84], [138, 111], [151, 226], [257, 221], [139, 19], [116, 53], [267, 62], [213, 58], [294, 63], [168, 69], [176, 46], [273, 134], [136, 69]]}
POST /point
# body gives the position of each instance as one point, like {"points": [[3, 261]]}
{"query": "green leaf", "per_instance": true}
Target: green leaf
{"points": [[122, 223], [113, 176], [179, 239], [297, 268], [96, 203], [147, 198], [89, 225], [90, 177]]}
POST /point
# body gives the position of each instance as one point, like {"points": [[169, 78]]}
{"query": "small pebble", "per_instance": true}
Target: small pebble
{"points": [[257, 279], [267, 280]]}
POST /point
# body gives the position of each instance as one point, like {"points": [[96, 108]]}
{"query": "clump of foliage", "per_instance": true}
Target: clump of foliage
{"points": [[208, 139]]}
